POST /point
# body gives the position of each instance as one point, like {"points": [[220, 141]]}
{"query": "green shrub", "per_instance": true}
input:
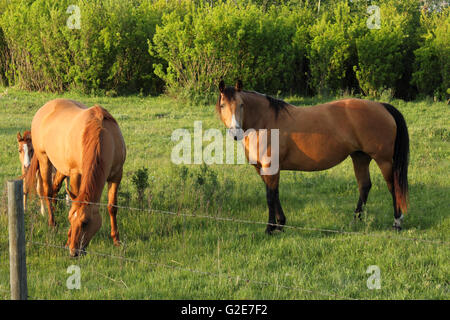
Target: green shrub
{"points": [[431, 67], [140, 182], [201, 45], [385, 54], [330, 49], [108, 53], [187, 46]]}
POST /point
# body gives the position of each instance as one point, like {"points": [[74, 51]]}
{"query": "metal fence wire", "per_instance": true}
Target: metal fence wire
{"points": [[235, 278]]}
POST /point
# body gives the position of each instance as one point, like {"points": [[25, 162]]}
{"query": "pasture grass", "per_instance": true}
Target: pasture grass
{"points": [[168, 256]]}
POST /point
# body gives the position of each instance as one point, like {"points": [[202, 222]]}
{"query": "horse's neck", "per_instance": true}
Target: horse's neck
{"points": [[258, 114]]}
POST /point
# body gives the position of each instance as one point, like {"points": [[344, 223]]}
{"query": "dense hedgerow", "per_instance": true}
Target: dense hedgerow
{"points": [[432, 66], [108, 53], [185, 47], [203, 45]]}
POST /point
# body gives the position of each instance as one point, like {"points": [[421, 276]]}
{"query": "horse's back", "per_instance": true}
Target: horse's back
{"points": [[322, 136], [59, 127], [372, 126]]}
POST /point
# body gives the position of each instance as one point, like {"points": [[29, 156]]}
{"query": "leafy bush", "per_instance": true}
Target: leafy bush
{"points": [[330, 49], [201, 45], [107, 53], [187, 46], [385, 54], [431, 67], [140, 182]]}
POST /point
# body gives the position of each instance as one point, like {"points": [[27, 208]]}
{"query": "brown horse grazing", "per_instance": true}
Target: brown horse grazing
{"points": [[318, 138], [26, 152], [87, 146]]}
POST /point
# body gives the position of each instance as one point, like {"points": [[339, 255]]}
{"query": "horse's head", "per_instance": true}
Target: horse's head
{"points": [[25, 149], [85, 221], [230, 107]]}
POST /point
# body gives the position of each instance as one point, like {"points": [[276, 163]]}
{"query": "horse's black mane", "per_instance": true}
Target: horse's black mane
{"points": [[276, 104]]}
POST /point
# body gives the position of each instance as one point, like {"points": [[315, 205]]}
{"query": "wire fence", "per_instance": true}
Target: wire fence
{"points": [[242, 221], [235, 278]]}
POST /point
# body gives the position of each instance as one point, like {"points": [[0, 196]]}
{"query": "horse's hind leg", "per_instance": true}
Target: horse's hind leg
{"points": [[361, 162], [386, 170], [113, 187]]}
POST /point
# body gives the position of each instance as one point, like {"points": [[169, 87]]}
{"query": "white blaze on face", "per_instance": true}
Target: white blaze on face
{"points": [[26, 156], [234, 123], [235, 129]]}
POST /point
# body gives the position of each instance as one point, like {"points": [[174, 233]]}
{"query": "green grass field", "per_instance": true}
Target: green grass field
{"points": [[168, 256]]}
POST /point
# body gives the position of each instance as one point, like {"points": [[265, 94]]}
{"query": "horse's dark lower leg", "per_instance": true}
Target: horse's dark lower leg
{"points": [[281, 219], [386, 170], [271, 203], [363, 195], [398, 216], [361, 162]]}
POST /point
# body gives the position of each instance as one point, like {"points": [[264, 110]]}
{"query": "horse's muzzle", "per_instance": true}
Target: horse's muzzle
{"points": [[77, 252], [236, 133]]}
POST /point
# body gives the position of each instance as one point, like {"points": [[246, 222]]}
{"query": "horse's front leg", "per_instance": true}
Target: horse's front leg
{"points": [[112, 209], [281, 219], [276, 215]]}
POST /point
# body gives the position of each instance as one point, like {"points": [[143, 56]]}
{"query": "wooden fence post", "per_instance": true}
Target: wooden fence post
{"points": [[16, 226]]}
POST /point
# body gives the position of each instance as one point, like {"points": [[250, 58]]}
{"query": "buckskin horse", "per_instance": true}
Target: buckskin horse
{"points": [[318, 138], [85, 144]]}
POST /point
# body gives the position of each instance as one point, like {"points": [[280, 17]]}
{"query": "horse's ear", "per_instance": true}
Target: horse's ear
{"points": [[238, 85], [221, 86], [19, 137], [71, 195], [27, 136]]}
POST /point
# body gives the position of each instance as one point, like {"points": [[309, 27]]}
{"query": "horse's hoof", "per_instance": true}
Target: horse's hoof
{"points": [[357, 215], [280, 229], [117, 243], [269, 231], [396, 228]]}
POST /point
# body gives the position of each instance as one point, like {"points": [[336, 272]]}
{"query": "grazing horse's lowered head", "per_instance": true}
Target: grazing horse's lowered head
{"points": [[85, 220]]}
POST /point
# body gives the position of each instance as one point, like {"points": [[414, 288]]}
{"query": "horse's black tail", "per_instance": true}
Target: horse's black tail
{"points": [[400, 159]]}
